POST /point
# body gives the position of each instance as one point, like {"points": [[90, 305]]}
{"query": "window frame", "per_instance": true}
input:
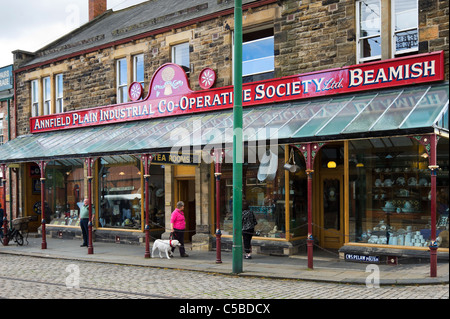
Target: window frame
{"points": [[135, 68], [47, 95], [173, 49], [394, 32], [59, 93], [34, 86], [360, 38], [121, 98], [261, 29]]}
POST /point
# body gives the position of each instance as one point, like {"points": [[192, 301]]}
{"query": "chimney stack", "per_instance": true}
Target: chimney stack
{"points": [[96, 8]]}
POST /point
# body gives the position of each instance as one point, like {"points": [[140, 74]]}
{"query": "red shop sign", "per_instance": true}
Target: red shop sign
{"points": [[170, 94]]}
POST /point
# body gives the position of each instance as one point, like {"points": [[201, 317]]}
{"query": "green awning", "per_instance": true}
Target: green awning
{"points": [[409, 110]]}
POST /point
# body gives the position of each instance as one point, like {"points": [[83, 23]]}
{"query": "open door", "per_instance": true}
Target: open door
{"points": [[186, 193]]}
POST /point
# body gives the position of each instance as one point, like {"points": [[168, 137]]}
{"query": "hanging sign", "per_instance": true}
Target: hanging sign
{"points": [[170, 95]]}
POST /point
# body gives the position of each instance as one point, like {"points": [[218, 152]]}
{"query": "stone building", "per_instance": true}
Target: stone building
{"points": [[95, 66]]}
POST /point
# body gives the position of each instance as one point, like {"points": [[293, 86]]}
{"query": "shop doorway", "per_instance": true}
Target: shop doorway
{"points": [[185, 191], [331, 211], [330, 197]]}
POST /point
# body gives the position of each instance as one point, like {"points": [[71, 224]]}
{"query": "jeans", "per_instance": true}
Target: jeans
{"points": [[84, 229]]}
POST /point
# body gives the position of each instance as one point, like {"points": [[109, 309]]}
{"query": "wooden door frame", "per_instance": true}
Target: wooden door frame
{"points": [[190, 215], [320, 174]]}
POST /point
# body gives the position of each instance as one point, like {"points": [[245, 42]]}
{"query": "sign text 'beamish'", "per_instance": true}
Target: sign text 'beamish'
{"points": [[170, 95]]}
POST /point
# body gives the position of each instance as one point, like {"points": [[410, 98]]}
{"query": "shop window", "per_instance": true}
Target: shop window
{"points": [[258, 59], [34, 98], [65, 194], [121, 194], [180, 55], [264, 192], [390, 192], [298, 197], [122, 81], [47, 96], [59, 93]]}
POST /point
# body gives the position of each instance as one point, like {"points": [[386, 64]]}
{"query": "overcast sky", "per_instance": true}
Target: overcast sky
{"points": [[31, 24]]}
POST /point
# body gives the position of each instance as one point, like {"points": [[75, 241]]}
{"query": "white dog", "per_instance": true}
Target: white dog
{"points": [[164, 245]]}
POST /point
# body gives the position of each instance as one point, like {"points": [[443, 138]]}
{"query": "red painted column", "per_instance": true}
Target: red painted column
{"points": [[5, 213], [309, 239], [433, 168], [309, 152], [146, 161], [218, 158], [42, 165], [89, 162]]}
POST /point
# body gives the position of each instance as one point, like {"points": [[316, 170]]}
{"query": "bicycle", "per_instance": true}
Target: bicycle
{"points": [[11, 234]]}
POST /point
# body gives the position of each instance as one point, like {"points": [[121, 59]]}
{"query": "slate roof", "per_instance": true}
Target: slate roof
{"points": [[113, 26]]}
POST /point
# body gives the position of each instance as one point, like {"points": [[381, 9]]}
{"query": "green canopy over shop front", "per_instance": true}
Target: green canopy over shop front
{"points": [[408, 110]]}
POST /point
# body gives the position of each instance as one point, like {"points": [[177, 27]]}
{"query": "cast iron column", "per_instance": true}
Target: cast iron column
{"points": [[146, 161], [5, 217], [430, 144], [89, 162], [309, 152], [218, 158], [433, 168], [42, 165]]}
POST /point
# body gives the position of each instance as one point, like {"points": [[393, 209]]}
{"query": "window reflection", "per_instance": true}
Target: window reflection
{"points": [[390, 193]]}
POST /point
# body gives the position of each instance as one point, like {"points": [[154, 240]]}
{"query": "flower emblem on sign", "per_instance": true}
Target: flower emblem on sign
{"points": [[207, 78], [135, 91]]}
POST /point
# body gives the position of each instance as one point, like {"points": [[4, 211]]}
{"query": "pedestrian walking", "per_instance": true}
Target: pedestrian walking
{"points": [[178, 227], [248, 228]]}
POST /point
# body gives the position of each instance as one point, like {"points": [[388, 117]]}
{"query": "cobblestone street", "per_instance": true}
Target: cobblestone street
{"points": [[40, 278]]}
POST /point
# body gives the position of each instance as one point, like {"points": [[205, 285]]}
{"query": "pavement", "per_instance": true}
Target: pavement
{"points": [[327, 267]]}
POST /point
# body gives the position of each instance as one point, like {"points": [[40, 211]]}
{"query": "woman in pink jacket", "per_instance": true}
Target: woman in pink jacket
{"points": [[178, 226]]}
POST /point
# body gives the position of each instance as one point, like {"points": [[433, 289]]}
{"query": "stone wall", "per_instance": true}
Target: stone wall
{"points": [[309, 36]]}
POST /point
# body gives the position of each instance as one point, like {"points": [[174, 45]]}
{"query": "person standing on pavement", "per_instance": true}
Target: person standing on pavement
{"points": [[84, 221], [178, 226], [248, 228]]}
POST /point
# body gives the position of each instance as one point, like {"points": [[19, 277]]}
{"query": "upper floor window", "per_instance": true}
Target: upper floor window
{"points": [[381, 38], [59, 94], [122, 81], [34, 98], [405, 23], [47, 95], [258, 53], [369, 30], [258, 58], [138, 68], [180, 55]]}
